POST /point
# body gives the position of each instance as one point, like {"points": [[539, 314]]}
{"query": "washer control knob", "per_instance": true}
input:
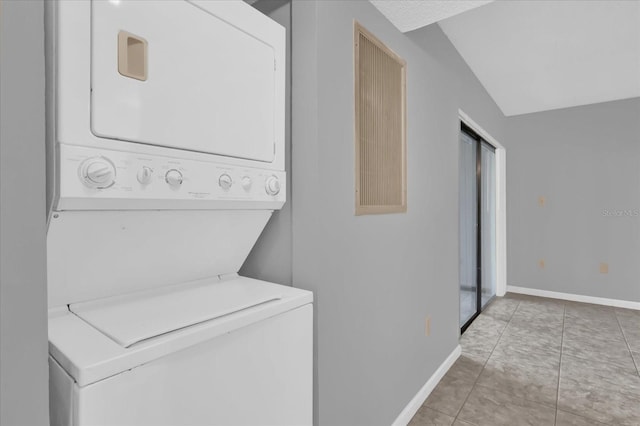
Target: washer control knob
{"points": [[145, 174], [98, 172], [246, 183], [272, 185], [173, 177], [225, 181]]}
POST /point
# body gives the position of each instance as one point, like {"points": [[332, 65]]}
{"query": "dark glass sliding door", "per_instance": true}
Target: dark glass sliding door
{"points": [[477, 224]]}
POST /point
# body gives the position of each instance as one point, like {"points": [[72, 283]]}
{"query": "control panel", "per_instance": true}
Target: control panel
{"points": [[104, 179]]}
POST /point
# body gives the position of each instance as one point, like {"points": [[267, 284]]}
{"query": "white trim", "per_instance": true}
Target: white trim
{"points": [[501, 201], [575, 297], [479, 130], [416, 402]]}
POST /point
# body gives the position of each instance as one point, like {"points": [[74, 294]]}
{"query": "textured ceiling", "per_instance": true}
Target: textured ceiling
{"points": [[541, 55], [409, 15]]}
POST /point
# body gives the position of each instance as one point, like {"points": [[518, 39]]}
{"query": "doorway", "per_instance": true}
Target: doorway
{"points": [[478, 272]]}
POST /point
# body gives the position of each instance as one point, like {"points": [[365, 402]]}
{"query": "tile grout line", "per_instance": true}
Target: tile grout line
{"points": [[475, 382], [564, 314], [582, 415], [438, 411], [624, 336], [579, 356], [525, 397], [567, 314], [555, 406], [589, 419]]}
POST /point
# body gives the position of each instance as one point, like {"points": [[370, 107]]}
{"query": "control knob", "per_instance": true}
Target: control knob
{"points": [[246, 183], [173, 177], [97, 172], [144, 175], [225, 181], [272, 185]]}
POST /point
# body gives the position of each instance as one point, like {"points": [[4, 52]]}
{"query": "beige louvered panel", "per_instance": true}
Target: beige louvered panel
{"points": [[380, 126]]}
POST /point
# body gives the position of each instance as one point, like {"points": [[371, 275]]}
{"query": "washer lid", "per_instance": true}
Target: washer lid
{"points": [[89, 353], [133, 318]]}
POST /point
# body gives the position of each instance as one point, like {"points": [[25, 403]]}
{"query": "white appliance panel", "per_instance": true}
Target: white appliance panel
{"points": [[88, 355], [257, 375], [201, 184], [104, 253], [161, 184], [61, 388], [211, 86], [129, 320], [69, 96]]}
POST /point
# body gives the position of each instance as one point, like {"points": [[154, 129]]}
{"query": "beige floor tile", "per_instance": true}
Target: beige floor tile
{"points": [[462, 423], [501, 309], [487, 325], [486, 406], [466, 368], [597, 374], [534, 361], [606, 329], [629, 313], [478, 345], [543, 338], [603, 405], [479, 356], [541, 306], [429, 417], [514, 352], [589, 311], [532, 321], [522, 380], [449, 395], [597, 348], [630, 325], [567, 419]]}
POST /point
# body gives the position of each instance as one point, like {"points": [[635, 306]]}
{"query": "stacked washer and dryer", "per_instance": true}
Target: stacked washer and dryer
{"points": [[166, 160]]}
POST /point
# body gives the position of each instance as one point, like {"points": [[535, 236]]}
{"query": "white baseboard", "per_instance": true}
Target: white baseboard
{"points": [[416, 402], [575, 297]]}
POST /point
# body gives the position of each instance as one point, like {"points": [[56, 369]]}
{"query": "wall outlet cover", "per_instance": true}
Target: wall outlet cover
{"points": [[604, 268], [541, 263]]}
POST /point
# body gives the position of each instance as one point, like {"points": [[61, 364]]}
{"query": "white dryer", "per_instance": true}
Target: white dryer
{"points": [[166, 160]]}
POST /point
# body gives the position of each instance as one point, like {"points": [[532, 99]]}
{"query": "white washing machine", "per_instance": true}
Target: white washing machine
{"points": [[229, 351], [166, 160]]}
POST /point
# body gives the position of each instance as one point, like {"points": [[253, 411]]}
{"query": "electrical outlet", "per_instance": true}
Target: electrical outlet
{"points": [[541, 201], [427, 326], [541, 263], [604, 268]]}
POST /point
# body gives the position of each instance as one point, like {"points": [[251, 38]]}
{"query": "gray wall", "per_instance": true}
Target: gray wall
{"points": [[270, 258], [583, 161], [376, 278], [23, 289]]}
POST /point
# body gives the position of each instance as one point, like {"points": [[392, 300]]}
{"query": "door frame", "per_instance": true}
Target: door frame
{"points": [[501, 200]]}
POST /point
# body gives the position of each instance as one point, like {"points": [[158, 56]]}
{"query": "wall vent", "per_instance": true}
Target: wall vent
{"points": [[380, 126]]}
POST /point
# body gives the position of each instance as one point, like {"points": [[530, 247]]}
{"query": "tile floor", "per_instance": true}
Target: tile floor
{"points": [[468, 304], [535, 361]]}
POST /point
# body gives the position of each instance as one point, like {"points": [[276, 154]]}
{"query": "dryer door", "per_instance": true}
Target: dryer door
{"points": [[198, 76]]}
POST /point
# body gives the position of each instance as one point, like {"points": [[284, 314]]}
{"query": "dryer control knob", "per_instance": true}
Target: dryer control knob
{"points": [[246, 183], [173, 177], [97, 172], [145, 174], [272, 185], [225, 181]]}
